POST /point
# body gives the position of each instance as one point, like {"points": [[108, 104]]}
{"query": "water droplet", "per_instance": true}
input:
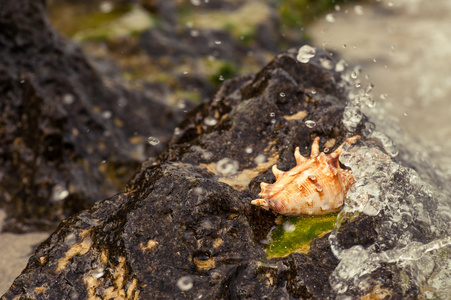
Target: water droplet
{"points": [[351, 117], [288, 227], [59, 193], [153, 140], [282, 94], [249, 150], [122, 102], [207, 155], [207, 224], [198, 190], [177, 131], [330, 18], [74, 295], [405, 114], [310, 123], [210, 121], [260, 159], [70, 239], [358, 9], [368, 89], [227, 166], [185, 283], [97, 273], [340, 66], [68, 99], [305, 53], [106, 114], [181, 104], [106, 7], [326, 63]]}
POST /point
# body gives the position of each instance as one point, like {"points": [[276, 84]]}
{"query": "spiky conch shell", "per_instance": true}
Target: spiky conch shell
{"points": [[315, 186]]}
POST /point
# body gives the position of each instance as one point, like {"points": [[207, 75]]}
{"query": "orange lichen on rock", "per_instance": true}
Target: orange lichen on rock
{"points": [[315, 186]]}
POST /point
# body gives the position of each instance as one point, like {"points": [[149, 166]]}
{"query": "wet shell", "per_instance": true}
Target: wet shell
{"points": [[315, 186]]}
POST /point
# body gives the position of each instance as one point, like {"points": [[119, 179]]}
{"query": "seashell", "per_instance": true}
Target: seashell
{"points": [[315, 186]]}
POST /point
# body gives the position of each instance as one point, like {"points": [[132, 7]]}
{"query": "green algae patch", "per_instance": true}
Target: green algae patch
{"points": [[296, 233], [240, 23], [72, 18], [129, 24]]}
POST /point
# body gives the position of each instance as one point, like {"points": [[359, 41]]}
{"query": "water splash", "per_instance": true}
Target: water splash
{"points": [[413, 234], [352, 117], [305, 53], [413, 207]]}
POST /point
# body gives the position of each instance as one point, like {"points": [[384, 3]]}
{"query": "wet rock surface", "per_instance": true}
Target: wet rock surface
{"points": [[68, 137], [185, 227]]}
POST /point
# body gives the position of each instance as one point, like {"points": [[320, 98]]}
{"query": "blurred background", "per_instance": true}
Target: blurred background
{"points": [[190, 47]]}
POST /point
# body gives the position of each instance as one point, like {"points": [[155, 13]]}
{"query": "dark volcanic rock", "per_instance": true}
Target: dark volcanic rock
{"points": [[185, 227], [67, 138]]}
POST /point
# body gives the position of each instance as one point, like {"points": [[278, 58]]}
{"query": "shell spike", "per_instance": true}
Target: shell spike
{"points": [[261, 202], [315, 148], [277, 172], [352, 140], [299, 158], [264, 186], [349, 141]]}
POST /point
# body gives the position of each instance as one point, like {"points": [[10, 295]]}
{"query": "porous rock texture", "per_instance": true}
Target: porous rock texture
{"points": [[67, 137], [185, 228]]}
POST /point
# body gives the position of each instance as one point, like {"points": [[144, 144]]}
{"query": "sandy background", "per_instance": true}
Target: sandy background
{"points": [[15, 249]]}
